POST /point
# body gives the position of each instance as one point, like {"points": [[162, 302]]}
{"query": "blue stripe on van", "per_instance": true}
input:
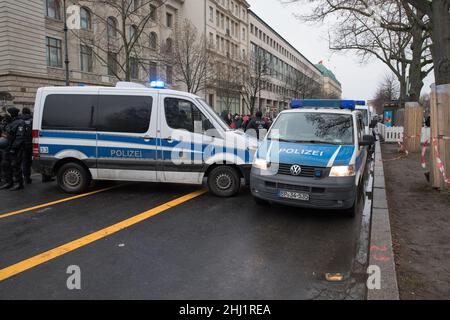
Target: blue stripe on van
{"points": [[68, 135]]}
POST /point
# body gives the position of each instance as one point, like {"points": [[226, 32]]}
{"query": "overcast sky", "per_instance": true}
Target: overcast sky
{"points": [[359, 81]]}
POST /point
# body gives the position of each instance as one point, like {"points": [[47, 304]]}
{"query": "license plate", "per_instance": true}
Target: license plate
{"points": [[294, 195]]}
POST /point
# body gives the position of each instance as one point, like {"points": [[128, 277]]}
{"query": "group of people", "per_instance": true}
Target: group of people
{"points": [[247, 122], [16, 148]]}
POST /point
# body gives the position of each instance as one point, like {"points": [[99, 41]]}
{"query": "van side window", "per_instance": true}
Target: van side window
{"points": [[128, 114], [69, 112], [183, 114]]}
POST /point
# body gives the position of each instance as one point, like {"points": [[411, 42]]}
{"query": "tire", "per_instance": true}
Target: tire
{"points": [[224, 181], [351, 213], [261, 202], [73, 178]]}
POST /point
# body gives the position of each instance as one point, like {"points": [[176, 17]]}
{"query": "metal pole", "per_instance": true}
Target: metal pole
{"points": [[66, 49]]}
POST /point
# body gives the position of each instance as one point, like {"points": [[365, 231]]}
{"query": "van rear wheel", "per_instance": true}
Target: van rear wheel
{"points": [[73, 178], [224, 181]]}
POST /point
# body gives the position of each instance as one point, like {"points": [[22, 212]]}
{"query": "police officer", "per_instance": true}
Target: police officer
{"points": [[28, 144], [12, 167], [257, 124], [5, 119]]}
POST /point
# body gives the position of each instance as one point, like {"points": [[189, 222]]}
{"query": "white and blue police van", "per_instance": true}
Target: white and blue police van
{"points": [[313, 156], [367, 118], [134, 133]]}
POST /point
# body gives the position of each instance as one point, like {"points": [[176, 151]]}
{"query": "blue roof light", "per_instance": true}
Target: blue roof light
{"points": [[315, 103], [157, 84]]}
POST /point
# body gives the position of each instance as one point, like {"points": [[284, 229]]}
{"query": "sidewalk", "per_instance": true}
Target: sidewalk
{"points": [[420, 222]]}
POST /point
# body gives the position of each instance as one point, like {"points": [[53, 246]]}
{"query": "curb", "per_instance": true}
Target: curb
{"points": [[381, 253]]}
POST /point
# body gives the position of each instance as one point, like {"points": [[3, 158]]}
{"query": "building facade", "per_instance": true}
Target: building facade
{"points": [[32, 49]]}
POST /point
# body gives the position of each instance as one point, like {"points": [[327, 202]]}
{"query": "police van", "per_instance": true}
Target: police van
{"points": [[314, 155], [134, 133], [367, 118]]}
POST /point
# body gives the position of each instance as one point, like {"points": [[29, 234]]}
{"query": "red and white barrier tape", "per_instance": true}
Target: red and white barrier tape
{"points": [[440, 164], [438, 157], [424, 151]]}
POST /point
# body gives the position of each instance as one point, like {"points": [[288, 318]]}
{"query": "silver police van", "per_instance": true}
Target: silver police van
{"points": [[314, 156], [134, 133]]}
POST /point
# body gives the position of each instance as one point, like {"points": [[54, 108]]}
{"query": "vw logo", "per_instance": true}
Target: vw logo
{"points": [[296, 170]]}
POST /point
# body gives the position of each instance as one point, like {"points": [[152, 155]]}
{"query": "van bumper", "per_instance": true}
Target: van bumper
{"points": [[336, 193]]}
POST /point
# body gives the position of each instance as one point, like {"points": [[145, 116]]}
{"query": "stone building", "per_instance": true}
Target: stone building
{"points": [[32, 50]]}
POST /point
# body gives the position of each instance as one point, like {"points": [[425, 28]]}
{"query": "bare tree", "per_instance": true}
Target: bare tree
{"points": [[255, 76], [438, 12], [228, 80], [304, 86], [122, 37], [191, 58], [384, 29], [388, 91]]}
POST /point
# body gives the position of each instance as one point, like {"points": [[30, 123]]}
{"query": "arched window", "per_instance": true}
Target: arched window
{"points": [[53, 9], [133, 32], [169, 45], [85, 16], [112, 27], [153, 40]]}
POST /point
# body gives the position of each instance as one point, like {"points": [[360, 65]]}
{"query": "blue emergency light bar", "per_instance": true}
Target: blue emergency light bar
{"points": [[157, 84], [316, 103]]}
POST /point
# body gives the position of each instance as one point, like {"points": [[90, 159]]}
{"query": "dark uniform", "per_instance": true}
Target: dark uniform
{"points": [[28, 144], [12, 167], [6, 119], [257, 124]]}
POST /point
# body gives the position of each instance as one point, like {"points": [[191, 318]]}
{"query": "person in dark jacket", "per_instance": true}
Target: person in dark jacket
{"points": [[15, 132], [237, 122], [28, 144], [257, 124], [4, 160]]}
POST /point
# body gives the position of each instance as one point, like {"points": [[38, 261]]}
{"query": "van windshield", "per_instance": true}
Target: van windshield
{"points": [[314, 127], [211, 113]]}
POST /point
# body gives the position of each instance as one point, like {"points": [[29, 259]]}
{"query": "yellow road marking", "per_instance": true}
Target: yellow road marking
{"points": [[4, 215], [81, 242]]}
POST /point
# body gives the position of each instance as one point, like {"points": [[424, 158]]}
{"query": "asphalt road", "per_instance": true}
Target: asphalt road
{"points": [[200, 247]]}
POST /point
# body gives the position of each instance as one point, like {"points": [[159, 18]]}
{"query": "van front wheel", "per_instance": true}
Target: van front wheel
{"points": [[73, 178], [224, 181]]}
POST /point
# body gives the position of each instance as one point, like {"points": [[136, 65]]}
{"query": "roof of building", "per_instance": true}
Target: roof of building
{"points": [[327, 73]]}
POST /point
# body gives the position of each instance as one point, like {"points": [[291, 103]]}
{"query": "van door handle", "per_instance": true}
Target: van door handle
{"points": [[147, 138], [169, 140]]}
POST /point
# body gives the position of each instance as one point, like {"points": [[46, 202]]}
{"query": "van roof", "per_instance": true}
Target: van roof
{"points": [[73, 89]]}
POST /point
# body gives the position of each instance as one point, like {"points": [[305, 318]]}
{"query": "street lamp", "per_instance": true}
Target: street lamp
{"points": [[66, 49]]}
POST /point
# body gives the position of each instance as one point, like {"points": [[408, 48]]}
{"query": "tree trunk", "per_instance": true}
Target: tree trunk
{"points": [[415, 68], [441, 40]]}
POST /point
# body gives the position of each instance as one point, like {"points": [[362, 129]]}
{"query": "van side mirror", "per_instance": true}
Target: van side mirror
{"points": [[373, 123], [368, 140]]}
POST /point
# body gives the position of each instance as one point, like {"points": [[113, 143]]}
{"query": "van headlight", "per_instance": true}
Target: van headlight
{"points": [[342, 171], [261, 164]]}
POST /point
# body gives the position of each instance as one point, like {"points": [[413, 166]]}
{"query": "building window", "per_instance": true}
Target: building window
{"points": [[53, 9], [153, 71], [54, 52], [134, 68], [132, 32], [169, 74], [112, 28], [86, 58], [153, 41], [169, 45], [211, 14], [85, 18], [169, 20], [153, 12], [112, 63]]}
